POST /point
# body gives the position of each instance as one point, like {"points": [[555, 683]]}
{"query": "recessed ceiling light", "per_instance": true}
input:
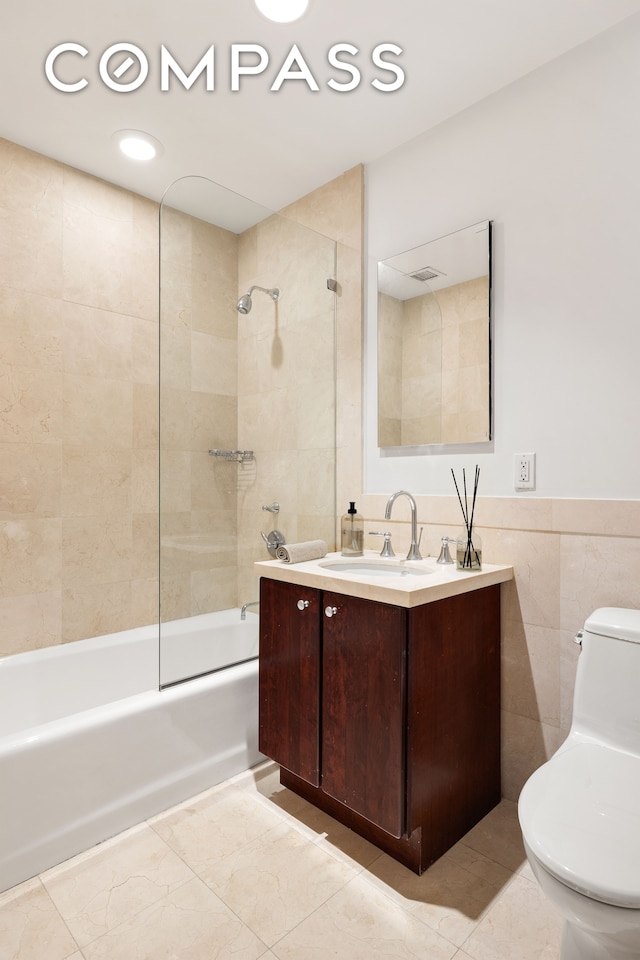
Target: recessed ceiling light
{"points": [[138, 145], [282, 11]]}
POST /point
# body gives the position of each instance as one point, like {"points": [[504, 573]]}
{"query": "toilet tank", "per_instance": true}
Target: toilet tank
{"points": [[606, 702]]}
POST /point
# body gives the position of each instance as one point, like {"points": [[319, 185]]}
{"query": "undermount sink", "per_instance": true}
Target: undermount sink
{"points": [[375, 568]]}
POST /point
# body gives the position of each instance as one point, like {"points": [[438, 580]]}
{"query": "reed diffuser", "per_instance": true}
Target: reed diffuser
{"points": [[469, 545]]}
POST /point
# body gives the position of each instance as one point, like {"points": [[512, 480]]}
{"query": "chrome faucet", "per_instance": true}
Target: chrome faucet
{"points": [[243, 611], [414, 549]]}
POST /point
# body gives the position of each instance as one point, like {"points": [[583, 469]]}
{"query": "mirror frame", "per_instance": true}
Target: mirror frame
{"points": [[429, 449]]}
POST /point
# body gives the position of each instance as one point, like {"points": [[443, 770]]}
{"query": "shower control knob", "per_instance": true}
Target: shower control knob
{"points": [[303, 604], [330, 611]]}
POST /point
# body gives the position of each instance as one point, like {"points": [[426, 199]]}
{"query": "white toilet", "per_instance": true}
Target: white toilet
{"points": [[580, 812]]}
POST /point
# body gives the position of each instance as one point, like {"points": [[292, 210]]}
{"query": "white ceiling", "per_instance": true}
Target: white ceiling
{"points": [[273, 147]]}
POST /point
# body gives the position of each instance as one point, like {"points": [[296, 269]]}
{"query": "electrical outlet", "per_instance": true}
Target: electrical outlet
{"points": [[525, 471]]}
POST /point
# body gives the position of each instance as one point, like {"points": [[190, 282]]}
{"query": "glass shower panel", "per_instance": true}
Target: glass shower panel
{"points": [[247, 412]]}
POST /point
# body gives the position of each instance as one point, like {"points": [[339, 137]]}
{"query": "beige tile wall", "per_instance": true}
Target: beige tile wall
{"points": [[198, 412], [465, 361], [264, 381], [433, 368], [286, 391], [390, 350], [78, 378], [287, 400], [426, 333], [79, 398], [336, 210]]}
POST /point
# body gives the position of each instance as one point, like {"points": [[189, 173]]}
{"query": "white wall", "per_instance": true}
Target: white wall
{"points": [[554, 161]]}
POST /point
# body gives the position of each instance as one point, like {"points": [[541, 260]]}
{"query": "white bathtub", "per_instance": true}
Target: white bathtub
{"points": [[89, 746]]}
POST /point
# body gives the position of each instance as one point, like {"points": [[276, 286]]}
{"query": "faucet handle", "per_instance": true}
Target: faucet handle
{"points": [[387, 549], [445, 556]]}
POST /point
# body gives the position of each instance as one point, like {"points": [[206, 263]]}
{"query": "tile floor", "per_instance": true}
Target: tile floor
{"points": [[248, 870]]}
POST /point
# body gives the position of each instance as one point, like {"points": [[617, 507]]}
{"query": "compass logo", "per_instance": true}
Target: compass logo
{"points": [[124, 67]]}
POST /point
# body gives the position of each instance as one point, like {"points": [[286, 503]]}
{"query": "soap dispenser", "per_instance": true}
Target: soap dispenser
{"points": [[352, 532]]}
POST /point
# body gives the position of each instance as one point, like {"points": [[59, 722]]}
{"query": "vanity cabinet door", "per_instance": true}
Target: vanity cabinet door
{"points": [[363, 713], [289, 677]]}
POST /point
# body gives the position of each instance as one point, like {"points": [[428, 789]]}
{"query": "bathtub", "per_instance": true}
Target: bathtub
{"points": [[89, 745]]}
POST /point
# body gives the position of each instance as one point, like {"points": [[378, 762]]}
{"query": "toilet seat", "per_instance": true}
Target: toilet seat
{"points": [[580, 817]]}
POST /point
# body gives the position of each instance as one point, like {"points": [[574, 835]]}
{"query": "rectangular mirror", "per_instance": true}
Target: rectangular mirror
{"points": [[434, 343]]}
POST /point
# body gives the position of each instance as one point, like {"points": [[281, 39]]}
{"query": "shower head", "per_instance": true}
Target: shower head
{"points": [[244, 304]]}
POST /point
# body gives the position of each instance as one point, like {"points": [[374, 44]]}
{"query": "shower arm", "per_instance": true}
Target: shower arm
{"points": [[272, 292]]}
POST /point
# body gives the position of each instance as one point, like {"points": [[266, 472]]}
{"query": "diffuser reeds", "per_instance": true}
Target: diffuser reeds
{"points": [[470, 555]]}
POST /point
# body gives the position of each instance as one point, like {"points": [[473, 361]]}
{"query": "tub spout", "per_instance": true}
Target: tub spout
{"points": [[243, 611]]}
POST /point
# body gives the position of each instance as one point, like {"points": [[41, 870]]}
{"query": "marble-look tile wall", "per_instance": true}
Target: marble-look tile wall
{"points": [[424, 335], [79, 426], [286, 390], [198, 412], [299, 370], [265, 381], [336, 210], [78, 401], [465, 361], [390, 342], [433, 366]]}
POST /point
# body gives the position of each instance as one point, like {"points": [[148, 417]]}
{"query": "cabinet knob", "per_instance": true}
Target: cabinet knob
{"points": [[303, 604], [330, 611]]}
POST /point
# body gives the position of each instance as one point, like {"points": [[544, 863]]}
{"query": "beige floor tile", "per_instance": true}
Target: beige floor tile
{"points": [[526, 871], [277, 881], [215, 826], [479, 865], [114, 881], [498, 837], [521, 926], [447, 897], [191, 923], [334, 837], [360, 923], [30, 926], [264, 781]]}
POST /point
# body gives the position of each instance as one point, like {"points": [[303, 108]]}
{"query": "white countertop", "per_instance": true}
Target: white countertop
{"points": [[442, 580]]}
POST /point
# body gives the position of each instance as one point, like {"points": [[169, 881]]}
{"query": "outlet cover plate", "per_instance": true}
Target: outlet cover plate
{"points": [[524, 471]]}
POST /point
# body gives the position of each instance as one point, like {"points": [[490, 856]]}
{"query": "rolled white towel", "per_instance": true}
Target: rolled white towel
{"points": [[299, 552]]}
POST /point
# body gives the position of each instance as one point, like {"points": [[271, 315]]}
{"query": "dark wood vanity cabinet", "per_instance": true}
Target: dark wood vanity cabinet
{"points": [[386, 717]]}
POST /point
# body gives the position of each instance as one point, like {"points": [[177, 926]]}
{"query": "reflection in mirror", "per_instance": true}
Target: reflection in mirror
{"points": [[434, 342]]}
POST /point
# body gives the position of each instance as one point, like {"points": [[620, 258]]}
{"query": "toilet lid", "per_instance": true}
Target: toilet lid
{"points": [[580, 816]]}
